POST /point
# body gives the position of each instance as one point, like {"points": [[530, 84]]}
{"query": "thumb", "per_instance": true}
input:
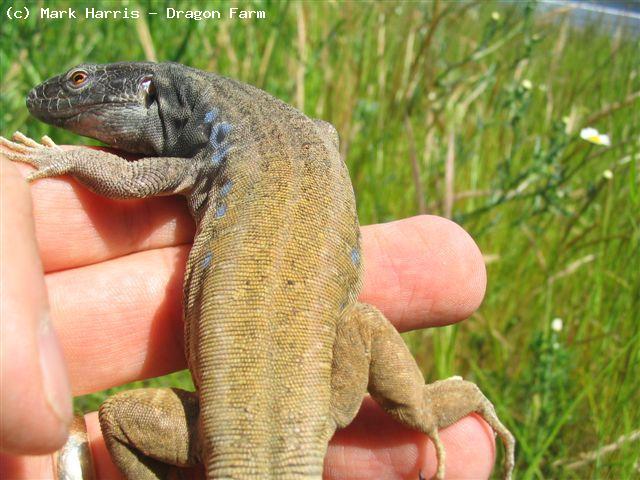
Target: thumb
{"points": [[35, 398]]}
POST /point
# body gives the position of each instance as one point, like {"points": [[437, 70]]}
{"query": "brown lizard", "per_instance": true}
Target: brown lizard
{"points": [[280, 350]]}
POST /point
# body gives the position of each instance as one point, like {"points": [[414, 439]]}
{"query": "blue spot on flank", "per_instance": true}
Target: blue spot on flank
{"points": [[218, 133], [226, 188], [206, 261], [355, 256], [217, 139], [219, 154], [221, 210], [210, 116]]}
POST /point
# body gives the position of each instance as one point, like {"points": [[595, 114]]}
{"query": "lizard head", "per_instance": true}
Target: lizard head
{"points": [[115, 103]]}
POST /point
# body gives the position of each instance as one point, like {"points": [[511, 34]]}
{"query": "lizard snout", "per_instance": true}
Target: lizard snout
{"points": [[32, 95], [32, 98]]}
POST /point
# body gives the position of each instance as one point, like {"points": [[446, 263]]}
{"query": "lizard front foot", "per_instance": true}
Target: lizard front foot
{"points": [[44, 156]]}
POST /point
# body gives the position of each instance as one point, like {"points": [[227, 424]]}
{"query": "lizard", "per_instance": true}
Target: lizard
{"points": [[279, 348]]}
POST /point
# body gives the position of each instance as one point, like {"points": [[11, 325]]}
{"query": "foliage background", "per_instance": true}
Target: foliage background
{"points": [[469, 110]]}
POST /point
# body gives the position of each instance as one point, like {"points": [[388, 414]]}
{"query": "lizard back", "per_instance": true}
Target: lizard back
{"points": [[275, 260]]}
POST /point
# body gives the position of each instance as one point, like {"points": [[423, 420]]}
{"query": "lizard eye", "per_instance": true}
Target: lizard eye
{"points": [[78, 78], [149, 89]]}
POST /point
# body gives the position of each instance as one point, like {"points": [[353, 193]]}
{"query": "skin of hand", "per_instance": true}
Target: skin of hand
{"points": [[108, 274]]}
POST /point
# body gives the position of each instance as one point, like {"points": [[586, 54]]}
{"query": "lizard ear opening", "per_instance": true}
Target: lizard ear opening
{"points": [[149, 89]]}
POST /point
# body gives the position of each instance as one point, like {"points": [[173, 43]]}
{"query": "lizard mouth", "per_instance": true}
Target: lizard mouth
{"points": [[64, 108], [61, 111]]}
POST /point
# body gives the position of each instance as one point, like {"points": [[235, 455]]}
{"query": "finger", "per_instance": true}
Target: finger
{"points": [[375, 446], [104, 466], [422, 271], [121, 320], [35, 393], [14, 467], [76, 227], [91, 228], [102, 463]]}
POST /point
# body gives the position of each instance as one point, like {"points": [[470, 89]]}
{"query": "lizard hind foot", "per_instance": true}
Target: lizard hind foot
{"points": [[457, 398]]}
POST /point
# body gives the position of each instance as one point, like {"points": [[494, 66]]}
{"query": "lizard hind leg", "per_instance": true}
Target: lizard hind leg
{"points": [[151, 431], [368, 346], [369, 354]]}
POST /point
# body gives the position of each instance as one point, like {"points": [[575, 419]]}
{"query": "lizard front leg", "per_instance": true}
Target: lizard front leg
{"points": [[102, 172], [370, 354]]}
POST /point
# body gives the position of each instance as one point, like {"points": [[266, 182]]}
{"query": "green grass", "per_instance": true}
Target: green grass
{"points": [[425, 92]]}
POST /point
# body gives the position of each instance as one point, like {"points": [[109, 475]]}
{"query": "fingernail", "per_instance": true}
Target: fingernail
{"points": [[54, 372]]}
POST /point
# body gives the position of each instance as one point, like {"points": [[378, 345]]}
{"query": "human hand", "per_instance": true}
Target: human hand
{"points": [[113, 271]]}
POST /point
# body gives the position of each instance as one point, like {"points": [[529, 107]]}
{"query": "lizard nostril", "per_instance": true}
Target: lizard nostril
{"points": [[31, 97]]}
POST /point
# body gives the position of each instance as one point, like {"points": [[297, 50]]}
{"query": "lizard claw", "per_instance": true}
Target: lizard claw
{"points": [[43, 156]]}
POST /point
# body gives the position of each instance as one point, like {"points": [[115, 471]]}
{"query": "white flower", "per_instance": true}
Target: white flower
{"points": [[592, 135], [526, 84], [495, 16], [556, 324], [608, 174]]}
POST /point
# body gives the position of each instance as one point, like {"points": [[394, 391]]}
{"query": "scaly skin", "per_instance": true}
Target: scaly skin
{"points": [[280, 351]]}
